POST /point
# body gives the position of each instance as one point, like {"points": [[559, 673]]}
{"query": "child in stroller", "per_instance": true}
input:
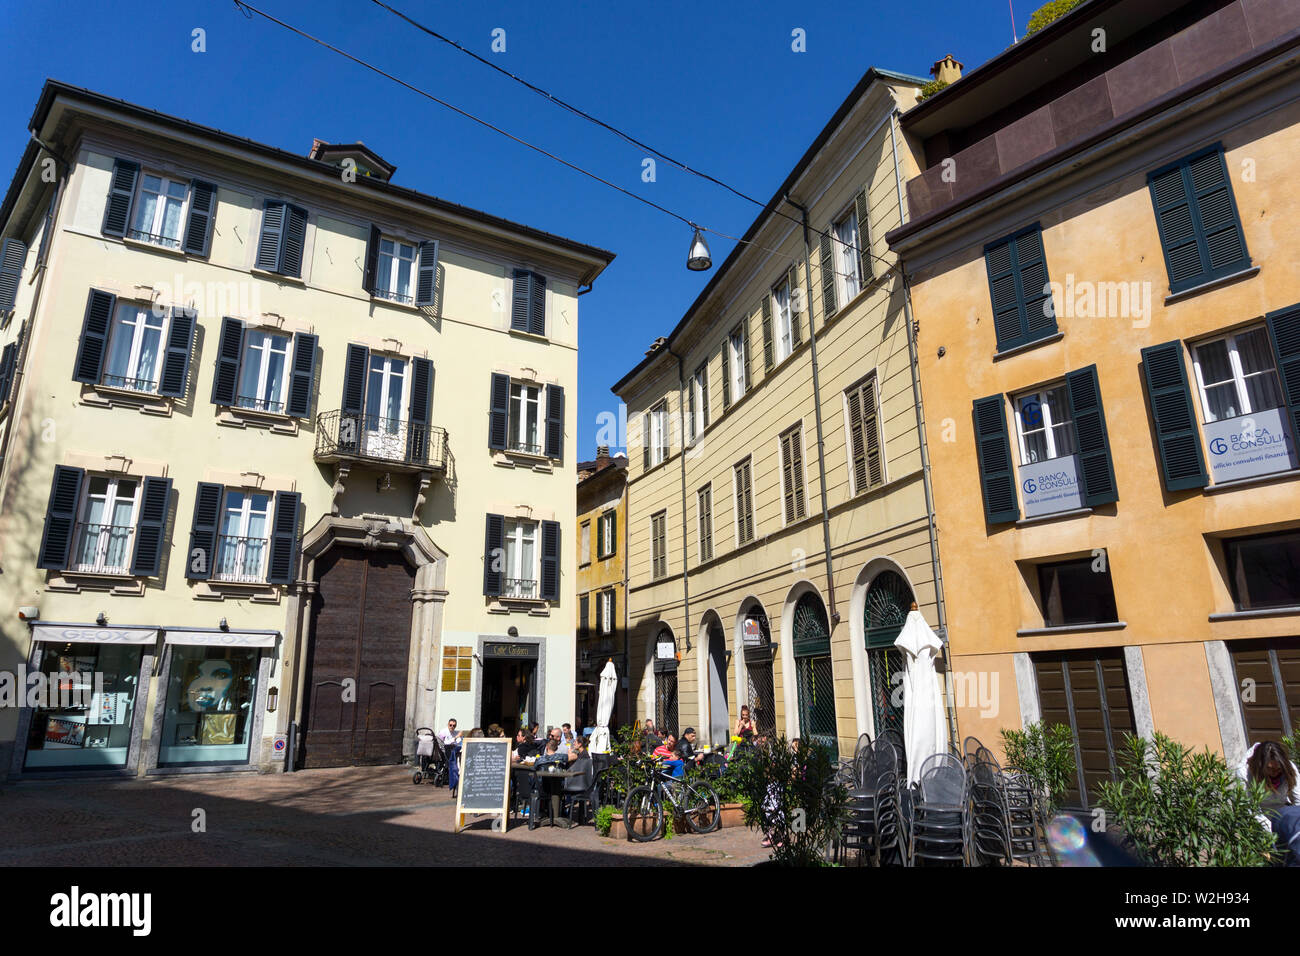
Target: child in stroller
{"points": [[431, 757]]}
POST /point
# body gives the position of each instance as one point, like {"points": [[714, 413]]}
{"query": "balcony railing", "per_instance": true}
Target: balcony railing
{"points": [[388, 441], [103, 549], [240, 560], [395, 297], [519, 588], [525, 447], [130, 384], [259, 404], [158, 240]]}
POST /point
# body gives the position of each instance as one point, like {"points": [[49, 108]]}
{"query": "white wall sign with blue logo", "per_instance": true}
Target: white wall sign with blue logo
{"points": [[1047, 487], [1250, 445]]}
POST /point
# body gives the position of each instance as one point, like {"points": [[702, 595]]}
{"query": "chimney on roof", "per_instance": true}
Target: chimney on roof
{"points": [[602, 453], [655, 346], [948, 69]]}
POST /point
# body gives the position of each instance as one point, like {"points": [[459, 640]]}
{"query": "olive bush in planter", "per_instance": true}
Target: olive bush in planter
{"points": [[1045, 755], [1181, 807], [793, 796]]}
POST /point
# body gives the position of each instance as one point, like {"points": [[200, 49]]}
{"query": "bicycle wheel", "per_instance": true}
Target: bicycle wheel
{"points": [[643, 814], [701, 807]]}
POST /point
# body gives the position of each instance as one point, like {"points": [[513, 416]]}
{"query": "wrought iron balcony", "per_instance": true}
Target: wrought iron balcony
{"points": [[526, 448], [240, 560], [256, 404], [139, 235], [130, 384], [393, 443], [519, 588], [103, 548]]}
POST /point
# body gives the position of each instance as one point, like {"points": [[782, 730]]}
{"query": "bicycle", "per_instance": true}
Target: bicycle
{"points": [[643, 812]]}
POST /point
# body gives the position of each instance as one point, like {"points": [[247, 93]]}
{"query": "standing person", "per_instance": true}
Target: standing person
{"points": [[451, 739], [745, 725]]}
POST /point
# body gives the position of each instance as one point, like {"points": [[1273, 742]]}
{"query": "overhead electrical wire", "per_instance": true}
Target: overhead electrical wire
{"points": [[248, 10]]}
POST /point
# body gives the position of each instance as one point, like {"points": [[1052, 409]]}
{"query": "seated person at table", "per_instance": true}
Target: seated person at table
{"points": [[686, 747], [566, 734], [667, 754], [649, 739], [554, 736], [525, 746], [1266, 762]]}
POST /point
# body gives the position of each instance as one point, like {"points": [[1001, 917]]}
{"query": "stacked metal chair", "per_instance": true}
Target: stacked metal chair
{"points": [[1005, 814], [874, 827], [939, 819]]}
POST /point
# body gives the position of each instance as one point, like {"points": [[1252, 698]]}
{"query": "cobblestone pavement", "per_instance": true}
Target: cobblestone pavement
{"points": [[339, 817]]}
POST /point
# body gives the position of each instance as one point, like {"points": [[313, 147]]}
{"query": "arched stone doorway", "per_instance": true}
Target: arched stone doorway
{"points": [[814, 676], [888, 599]]}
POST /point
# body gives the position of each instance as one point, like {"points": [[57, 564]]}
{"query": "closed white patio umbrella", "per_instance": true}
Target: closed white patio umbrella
{"points": [[604, 707], [924, 731]]}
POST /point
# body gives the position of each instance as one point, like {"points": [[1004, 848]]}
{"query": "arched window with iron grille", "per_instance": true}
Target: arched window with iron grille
{"points": [[666, 682], [813, 674], [756, 637], [889, 598]]}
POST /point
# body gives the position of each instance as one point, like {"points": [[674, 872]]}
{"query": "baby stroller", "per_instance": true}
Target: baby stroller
{"points": [[432, 759]]}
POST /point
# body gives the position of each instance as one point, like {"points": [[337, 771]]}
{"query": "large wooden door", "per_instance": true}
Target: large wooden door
{"points": [[361, 631]]}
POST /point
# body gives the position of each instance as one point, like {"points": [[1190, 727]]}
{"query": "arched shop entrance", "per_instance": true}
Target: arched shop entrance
{"points": [[888, 600], [813, 673], [756, 638], [665, 668], [719, 727]]}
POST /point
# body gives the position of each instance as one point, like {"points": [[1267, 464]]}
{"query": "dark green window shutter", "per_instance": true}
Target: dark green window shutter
{"points": [[94, 337], [600, 615], [1096, 469], [744, 349], [426, 280], [420, 410], [372, 261], [827, 248], [997, 477], [60, 518], [494, 555], [284, 538], [303, 375], [203, 209], [584, 615], [225, 380], [295, 239], [176, 361], [645, 442], [520, 297], [600, 538], [271, 236], [13, 253], [796, 317], [726, 373], [354, 379], [704, 393], [499, 411], [154, 498], [554, 422], [1181, 459], [202, 553], [1196, 215], [865, 262], [550, 560], [117, 213], [1284, 333], [537, 304], [1023, 310], [767, 332], [7, 360]]}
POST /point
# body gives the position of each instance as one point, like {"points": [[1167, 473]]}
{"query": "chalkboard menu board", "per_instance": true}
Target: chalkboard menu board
{"points": [[484, 779]]}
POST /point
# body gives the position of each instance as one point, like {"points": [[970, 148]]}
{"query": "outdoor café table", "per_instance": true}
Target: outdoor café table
{"points": [[545, 779]]}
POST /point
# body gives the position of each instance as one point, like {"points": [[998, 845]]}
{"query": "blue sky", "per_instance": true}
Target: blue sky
{"points": [[715, 85]]}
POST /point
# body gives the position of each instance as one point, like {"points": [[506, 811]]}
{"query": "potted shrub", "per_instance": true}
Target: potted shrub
{"points": [[793, 796], [1046, 756]]}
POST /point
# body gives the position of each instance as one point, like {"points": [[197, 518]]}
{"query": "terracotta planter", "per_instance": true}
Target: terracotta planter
{"points": [[733, 815], [616, 829]]}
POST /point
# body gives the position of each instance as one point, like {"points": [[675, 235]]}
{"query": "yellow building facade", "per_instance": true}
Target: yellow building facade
{"points": [[601, 582], [1100, 257], [288, 464], [777, 514]]}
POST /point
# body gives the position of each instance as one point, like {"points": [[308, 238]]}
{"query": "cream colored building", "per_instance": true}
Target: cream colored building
{"points": [[283, 444], [775, 551]]}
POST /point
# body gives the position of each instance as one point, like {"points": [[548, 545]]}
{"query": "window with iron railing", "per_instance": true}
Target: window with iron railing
{"points": [[244, 540], [395, 271], [264, 372], [104, 535], [135, 348], [159, 211], [520, 588]]}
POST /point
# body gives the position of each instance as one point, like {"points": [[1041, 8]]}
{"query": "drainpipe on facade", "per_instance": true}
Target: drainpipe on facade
{"points": [[627, 594], [925, 451], [817, 409]]}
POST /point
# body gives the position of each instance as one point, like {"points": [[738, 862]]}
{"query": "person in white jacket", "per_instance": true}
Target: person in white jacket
{"points": [[1266, 763]]}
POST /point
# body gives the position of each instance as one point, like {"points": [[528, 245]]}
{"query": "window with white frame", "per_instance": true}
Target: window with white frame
{"points": [[135, 348], [263, 372], [520, 539], [698, 417], [387, 387], [395, 270], [783, 341], [245, 537], [1043, 425], [1236, 375], [159, 210], [704, 509], [606, 612], [525, 415], [106, 525], [658, 545], [848, 280], [658, 433], [606, 535], [736, 364]]}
